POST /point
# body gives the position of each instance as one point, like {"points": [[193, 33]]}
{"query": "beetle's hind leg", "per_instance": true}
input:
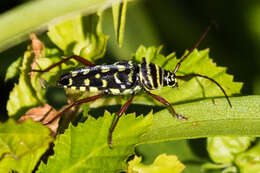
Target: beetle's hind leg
{"points": [[114, 123], [77, 58], [78, 102], [166, 103]]}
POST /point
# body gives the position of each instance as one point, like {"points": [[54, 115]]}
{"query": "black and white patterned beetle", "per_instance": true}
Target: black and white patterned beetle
{"points": [[123, 78]]}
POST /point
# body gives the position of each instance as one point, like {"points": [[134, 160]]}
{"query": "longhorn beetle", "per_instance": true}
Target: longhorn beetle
{"points": [[124, 78]]}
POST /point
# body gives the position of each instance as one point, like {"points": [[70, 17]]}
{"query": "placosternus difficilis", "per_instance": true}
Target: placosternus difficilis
{"points": [[123, 78]]}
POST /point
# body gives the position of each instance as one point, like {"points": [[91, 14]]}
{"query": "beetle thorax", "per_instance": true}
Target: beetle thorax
{"points": [[150, 76]]}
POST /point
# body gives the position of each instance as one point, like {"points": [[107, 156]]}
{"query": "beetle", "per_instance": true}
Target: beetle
{"points": [[124, 78]]}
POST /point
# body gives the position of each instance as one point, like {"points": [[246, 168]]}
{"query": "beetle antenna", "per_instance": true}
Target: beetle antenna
{"points": [[206, 77], [194, 47]]}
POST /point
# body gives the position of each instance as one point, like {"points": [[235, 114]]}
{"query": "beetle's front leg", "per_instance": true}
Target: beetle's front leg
{"points": [[165, 102]]}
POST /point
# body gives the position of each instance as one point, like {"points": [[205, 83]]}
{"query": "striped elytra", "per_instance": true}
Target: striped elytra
{"points": [[120, 78]]}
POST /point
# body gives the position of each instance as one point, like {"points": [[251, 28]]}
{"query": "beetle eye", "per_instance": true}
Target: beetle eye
{"points": [[171, 82]]}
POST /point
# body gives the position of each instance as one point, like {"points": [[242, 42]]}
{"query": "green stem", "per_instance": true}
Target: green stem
{"points": [[208, 118], [16, 24]]}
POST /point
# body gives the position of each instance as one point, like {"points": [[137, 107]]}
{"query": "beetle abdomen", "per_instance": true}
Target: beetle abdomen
{"points": [[116, 79]]}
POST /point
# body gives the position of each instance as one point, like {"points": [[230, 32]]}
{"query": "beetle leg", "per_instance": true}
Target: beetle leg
{"points": [[113, 126], [78, 58], [165, 102], [89, 99]]}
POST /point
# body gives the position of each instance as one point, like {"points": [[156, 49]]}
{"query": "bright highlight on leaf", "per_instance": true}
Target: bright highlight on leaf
{"points": [[225, 149], [249, 161], [13, 69], [22, 145], [80, 36], [163, 163], [85, 148]]}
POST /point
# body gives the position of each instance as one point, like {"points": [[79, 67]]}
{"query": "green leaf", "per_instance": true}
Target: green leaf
{"points": [[24, 96], [87, 41], [47, 11], [207, 118], [14, 69], [163, 163], [22, 145], [218, 168], [249, 161], [180, 148], [119, 16], [194, 89], [85, 148], [80, 36], [184, 149], [224, 149]]}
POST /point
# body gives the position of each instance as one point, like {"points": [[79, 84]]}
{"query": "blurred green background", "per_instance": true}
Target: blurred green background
{"points": [[234, 43]]}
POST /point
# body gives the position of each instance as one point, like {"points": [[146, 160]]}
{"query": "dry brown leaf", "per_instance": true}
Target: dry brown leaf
{"points": [[44, 115], [37, 45]]}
